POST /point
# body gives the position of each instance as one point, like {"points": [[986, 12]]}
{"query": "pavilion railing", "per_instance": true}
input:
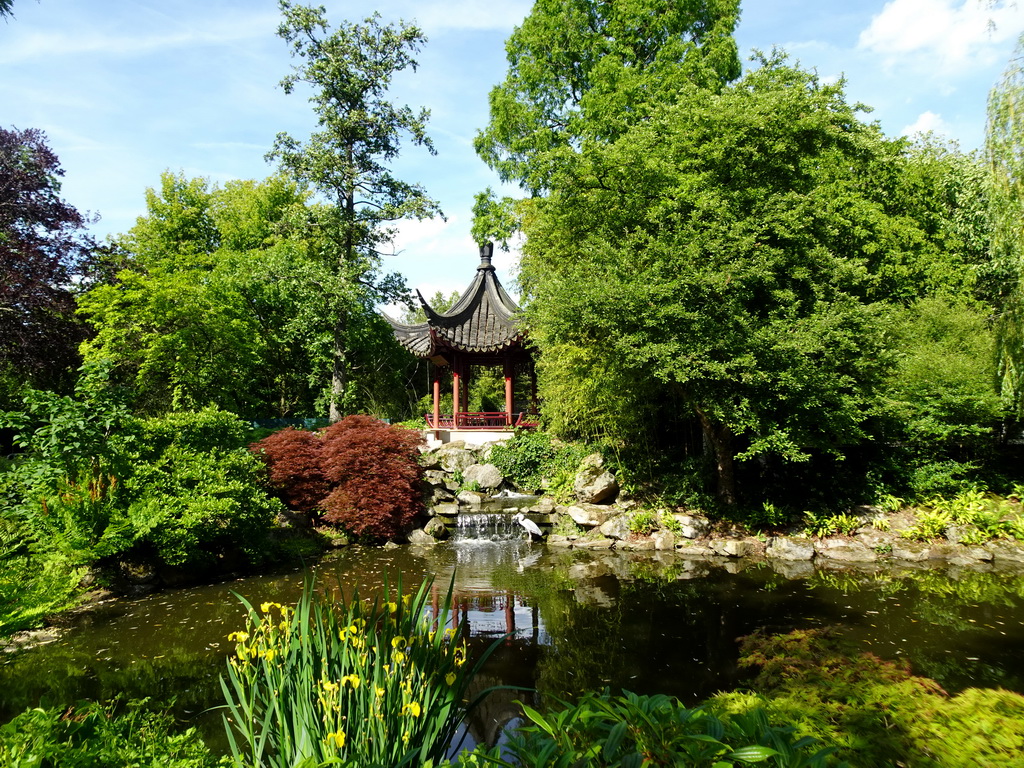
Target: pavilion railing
{"points": [[483, 420]]}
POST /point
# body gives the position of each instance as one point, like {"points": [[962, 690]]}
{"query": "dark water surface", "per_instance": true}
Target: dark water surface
{"points": [[578, 620]]}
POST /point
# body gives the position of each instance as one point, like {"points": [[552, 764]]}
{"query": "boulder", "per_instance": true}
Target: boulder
{"points": [[484, 475], [616, 527], [593, 483], [455, 459], [664, 540], [845, 550], [732, 547], [594, 543], [557, 540], [435, 477], [790, 548], [1006, 551], [688, 548], [635, 545], [472, 498], [436, 529], [589, 515], [419, 537], [446, 510], [911, 551], [692, 527]]}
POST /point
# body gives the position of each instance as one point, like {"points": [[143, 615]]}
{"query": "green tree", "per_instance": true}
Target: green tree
{"points": [[731, 254], [217, 301], [583, 71], [346, 161], [1004, 151]]}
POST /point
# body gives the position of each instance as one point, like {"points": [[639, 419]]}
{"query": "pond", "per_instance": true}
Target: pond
{"points": [[567, 621]]}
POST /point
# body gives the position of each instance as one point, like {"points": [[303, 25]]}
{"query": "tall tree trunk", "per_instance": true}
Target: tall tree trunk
{"points": [[339, 351], [719, 436]]}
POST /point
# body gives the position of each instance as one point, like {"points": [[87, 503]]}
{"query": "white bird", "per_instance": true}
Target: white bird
{"points": [[531, 527]]}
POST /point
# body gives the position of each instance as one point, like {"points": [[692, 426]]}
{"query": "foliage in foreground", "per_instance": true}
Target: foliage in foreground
{"points": [[630, 730], [875, 711], [95, 736], [351, 684], [359, 474]]}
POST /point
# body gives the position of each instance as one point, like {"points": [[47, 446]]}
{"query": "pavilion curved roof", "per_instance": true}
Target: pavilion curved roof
{"points": [[483, 320]]}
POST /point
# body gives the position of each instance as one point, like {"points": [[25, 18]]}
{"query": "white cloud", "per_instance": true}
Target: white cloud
{"points": [[213, 32], [944, 36], [926, 121]]}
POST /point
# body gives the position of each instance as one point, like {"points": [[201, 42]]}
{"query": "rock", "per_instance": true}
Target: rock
{"points": [[688, 548], [635, 545], [390, 545], [545, 505], [419, 537], [1006, 551], [965, 555], [435, 477], [589, 515], [616, 527], [557, 540], [436, 529], [440, 495], [594, 543], [446, 510], [790, 548], [663, 540], [732, 547], [845, 550], [455, 459], [911, 551], [472, 498], [486, 476], [692, 527], [429, 460], [625, 504], [593, 483]]}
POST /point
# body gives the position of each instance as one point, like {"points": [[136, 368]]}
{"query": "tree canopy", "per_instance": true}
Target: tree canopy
{"points": [[43, 252]]}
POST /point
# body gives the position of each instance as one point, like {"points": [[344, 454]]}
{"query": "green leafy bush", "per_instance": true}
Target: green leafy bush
{"points": [[532, 459], [94, 736], [876, 712], [631, 730]]}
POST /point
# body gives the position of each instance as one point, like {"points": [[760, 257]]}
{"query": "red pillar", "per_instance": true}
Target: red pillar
{"points": [[437, 397], [509, 387], [456, 399]]}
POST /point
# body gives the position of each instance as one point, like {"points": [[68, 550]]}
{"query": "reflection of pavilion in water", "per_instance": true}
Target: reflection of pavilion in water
{"points": [[508, 618]]}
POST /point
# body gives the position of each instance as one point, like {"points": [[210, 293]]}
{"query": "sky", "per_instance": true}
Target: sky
{"points": [[126, 89]]}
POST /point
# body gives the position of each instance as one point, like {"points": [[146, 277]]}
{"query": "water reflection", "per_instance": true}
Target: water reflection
{"points": [[567, 621]]}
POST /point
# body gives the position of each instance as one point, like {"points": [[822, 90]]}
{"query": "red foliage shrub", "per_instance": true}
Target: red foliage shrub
{"points": [[293, 458], [361, 473], [373, 470]]}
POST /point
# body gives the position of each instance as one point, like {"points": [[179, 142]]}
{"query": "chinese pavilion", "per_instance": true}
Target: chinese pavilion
{"points": [[481, 329]]}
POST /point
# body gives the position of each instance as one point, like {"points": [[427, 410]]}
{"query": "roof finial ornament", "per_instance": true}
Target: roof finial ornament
{"points": [[486, 250]]}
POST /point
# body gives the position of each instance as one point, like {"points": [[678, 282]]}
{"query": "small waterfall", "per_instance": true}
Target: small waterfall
{"points": [[487, 527]]}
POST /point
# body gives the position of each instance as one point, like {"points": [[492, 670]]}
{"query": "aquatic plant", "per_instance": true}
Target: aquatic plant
{"points": [[375, 684]]}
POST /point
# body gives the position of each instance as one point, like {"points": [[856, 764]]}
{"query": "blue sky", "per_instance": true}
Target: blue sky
{"points": [[128, 88]]}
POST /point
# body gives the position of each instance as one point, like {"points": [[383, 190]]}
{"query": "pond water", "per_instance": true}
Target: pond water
{"points": [[570, 621]]}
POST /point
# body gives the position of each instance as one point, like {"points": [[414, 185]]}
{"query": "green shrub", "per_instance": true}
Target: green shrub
{"points": [[876, 712], [631, 730], [532, 459], [384, 684], [95, 736]]}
